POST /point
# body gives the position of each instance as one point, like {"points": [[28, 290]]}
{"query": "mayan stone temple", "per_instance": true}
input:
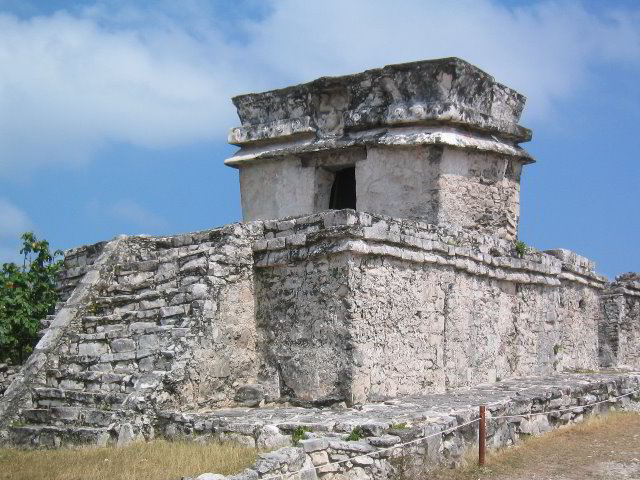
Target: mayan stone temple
{"points": [[375, 286]]}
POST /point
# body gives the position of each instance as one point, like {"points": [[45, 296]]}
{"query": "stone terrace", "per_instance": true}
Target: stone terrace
{"points": [[533, 406]]}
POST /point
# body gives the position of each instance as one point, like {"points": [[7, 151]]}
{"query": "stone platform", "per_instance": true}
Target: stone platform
{"points": [[383, 440]]}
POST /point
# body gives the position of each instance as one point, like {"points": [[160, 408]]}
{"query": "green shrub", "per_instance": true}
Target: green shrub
{"points": [[299, 434], [27, 295], [356, 434]]}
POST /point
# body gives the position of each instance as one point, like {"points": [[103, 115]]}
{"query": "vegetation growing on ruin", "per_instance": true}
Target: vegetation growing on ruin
{"points": [[356, 434], [27, 295], [299, 434]]}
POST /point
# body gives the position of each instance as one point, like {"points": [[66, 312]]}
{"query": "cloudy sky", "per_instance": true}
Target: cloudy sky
{"points": [[114, 114]]}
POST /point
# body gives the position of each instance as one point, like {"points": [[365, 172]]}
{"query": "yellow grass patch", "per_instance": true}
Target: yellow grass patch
{"points": [[157, 460]]}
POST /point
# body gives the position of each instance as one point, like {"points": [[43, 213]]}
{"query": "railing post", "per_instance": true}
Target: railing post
{"points": [[482, 436]]}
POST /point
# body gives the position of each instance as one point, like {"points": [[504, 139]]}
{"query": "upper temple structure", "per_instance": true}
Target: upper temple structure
{"points": [[435, 141], [376, 280]]}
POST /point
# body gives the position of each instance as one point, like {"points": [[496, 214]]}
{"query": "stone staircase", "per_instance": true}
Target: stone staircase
{"points": [[84, 391], [132, 338], [45, 323], [99, 364]]}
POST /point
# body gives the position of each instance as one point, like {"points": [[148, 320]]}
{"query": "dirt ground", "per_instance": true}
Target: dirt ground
{"points": [[603, 448]]}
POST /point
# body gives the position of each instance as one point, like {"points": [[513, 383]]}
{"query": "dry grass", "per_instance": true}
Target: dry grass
{"points": [[576, 451], [157, 460]]}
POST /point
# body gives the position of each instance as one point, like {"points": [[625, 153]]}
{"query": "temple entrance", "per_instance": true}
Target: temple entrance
{"points": [[343, 190]]}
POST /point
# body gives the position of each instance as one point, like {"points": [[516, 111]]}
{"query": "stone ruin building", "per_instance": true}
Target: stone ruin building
{"points": [[377, 260]]}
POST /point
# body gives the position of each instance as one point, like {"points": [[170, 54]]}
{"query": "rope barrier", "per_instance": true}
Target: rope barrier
{"points": [[448, 430]]}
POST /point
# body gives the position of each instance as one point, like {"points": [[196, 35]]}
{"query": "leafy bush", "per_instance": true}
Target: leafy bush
{"points": [[27, 295], [299, 434], [356, 434]]}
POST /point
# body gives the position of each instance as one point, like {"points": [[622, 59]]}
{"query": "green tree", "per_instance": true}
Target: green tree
{"points": [[27, 295]]}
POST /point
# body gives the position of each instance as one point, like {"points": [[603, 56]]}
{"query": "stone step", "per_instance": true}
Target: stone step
{"points": [[60, 416], [111, 321], [92, 376], [102, 319], [48, 436], [108, 358], [92, 381], [58, 397], [117, 300]]}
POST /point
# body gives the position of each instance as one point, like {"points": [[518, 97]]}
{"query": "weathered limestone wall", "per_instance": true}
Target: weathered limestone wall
{"points": [[404, 307], [479, 192], [305, 330], [315, 310], [442, 185], [620, 329], [401, 182], [164, 322], [277, 189]]}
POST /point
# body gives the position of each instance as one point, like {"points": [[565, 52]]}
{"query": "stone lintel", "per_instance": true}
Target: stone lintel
{"points": [[330, 111], [407, 136]]}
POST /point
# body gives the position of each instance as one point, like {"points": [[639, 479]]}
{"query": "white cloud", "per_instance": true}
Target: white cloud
{"points": [[13, 221], [136, 214], [71, 82], [545, 51], [128, 212]]}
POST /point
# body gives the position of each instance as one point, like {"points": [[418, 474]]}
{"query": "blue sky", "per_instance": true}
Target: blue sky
{"points": [[114, 115]]}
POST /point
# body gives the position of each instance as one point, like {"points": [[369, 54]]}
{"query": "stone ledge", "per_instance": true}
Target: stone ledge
{"points": [[553, 401], [334, 232], [390, 137], [626, 284]]}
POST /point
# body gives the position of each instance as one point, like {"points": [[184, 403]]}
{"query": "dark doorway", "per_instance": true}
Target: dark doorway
{"points": [[343, 190]]}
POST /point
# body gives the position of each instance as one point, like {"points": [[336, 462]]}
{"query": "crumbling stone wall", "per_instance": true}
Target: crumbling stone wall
{"points": [[164, 322], [620, 330], [404, 307], [315, 310], [305, 330]]}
